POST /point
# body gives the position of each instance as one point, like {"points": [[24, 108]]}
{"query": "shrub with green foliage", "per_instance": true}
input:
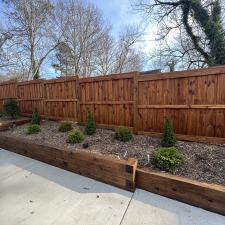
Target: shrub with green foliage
{"points": [[11, 108], [168, 159], [33, 129], [90, 124], [36, 117], [123, 134], [76, 136], [65, 127], [168, 139]]}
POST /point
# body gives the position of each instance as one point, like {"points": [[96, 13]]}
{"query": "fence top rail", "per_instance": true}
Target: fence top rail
{"points": [[62, 79], [28, 82], [8, 82], [217, 70], [108, 77]]}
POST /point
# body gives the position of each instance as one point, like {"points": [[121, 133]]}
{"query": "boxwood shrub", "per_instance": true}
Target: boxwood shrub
{"points": [[65, 127], [168, 159], [33, 129], [76, 136], [123, 134]]}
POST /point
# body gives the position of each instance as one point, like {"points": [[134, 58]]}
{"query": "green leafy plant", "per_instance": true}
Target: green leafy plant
{"points": [[33, 129], [123, 134], [36, 117], [76, 136], [90, 125], [168, 139], [65, 127], [168, 159], [11, 108]]}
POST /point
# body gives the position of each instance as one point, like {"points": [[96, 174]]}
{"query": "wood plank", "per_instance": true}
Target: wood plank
{"points": [[220, 106], [120, 173], [182, 137], [207, 196], [61, 100], [135, 98], [107, 103], [217, 70]]}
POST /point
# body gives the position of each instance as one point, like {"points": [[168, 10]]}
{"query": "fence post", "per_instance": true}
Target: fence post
{"points": [[44, 97], [78, 114], [135, 98]]}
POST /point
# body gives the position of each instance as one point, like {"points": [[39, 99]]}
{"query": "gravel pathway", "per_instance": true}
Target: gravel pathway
{"points": [[202, 161]]}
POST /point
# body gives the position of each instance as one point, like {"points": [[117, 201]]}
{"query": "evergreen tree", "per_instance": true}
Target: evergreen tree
{"points": [[90, 124], [169, 138], [36, 118]]}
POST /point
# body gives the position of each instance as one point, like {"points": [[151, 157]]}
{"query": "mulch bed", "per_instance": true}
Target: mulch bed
{"points": [[203, 162]]}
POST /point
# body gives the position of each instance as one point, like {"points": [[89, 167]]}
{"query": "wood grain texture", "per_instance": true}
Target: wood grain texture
{"points": [[120, 173], [207, 196], [194, 100]]}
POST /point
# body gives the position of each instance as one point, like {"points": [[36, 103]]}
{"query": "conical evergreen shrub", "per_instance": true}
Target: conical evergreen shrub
{"points": [[36, 117], [11, 108], [169, 138], [90, 125]]}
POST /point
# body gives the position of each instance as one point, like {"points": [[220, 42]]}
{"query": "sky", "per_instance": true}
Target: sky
{"points": [[118, 13]]}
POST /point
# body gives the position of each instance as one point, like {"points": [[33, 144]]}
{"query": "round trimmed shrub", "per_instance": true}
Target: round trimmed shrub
{"points": [[168, 159], [11, 108], [123, 134], [90, 125], [76, 136], [33, 129], [36, 117], [65, 127]]}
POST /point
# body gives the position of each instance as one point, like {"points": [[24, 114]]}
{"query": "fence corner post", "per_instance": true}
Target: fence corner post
{"points": [[135, 119]]}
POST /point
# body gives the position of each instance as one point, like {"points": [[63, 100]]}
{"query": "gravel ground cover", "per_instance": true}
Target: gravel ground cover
{"points": [[203, 162]]}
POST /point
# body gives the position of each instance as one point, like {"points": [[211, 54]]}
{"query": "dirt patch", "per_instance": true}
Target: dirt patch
{"points": [[202, 161], [5, 119]]}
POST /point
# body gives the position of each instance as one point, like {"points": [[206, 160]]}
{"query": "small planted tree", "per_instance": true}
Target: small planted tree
{"points": [[33, 129], [76, 137], [168, 159], [169, 138], [36, 118], [65, 127], [90, 125], [123, 134], [11, 108]]}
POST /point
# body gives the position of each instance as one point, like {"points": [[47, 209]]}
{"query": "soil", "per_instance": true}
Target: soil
{"points": [[5, 119], [203, 162]]}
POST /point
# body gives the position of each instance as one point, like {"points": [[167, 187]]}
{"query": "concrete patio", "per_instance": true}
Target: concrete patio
{"points": [[34, 193]]}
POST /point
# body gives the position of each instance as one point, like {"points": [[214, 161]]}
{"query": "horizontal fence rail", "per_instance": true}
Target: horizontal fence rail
{"points": [[194, 101]]}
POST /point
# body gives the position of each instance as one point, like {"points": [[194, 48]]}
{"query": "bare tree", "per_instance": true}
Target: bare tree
{"points": [[127, 58], [5, 37], [83, 30], [196, 28], [30, 24]]}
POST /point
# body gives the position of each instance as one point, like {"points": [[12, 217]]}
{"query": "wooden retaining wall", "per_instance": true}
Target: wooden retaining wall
{"points": [[5, 125], [194, 101], [119, 173], [123, 174], [207, 196]]}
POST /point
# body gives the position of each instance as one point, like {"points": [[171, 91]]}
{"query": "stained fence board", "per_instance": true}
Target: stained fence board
{"points": [[193, 100]]}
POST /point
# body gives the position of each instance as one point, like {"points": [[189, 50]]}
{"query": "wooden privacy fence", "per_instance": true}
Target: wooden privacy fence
{"points": [[193, 100]]}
